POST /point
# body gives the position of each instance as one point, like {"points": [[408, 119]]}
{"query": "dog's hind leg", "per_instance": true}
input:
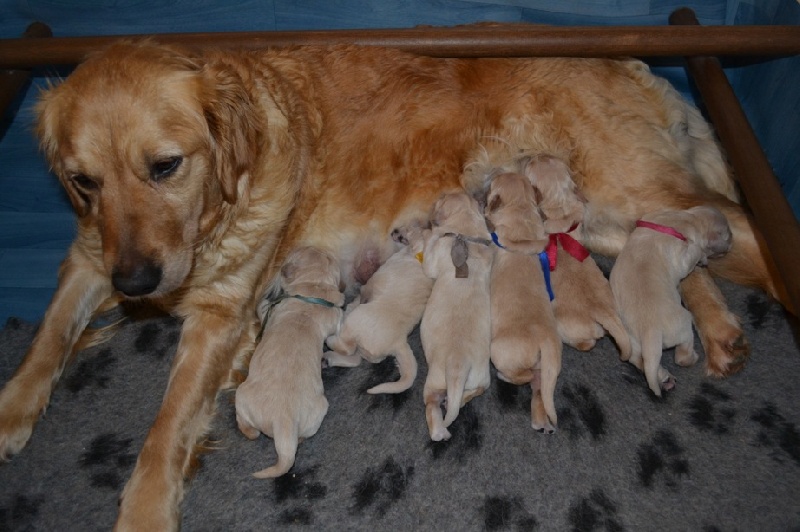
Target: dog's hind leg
{"points": [[407, 365], [433, 415], [81, 290], [550, 369], [719, 329], [539, 417]]}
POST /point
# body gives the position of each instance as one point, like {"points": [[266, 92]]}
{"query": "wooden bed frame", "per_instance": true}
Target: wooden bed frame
{"points": [[684, 37]]}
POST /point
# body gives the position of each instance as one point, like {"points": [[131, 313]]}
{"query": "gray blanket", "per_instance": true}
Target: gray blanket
{"points": [[713, 455]]}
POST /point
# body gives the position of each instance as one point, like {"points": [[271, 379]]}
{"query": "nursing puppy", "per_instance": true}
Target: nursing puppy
{"points": [[195, 172], [525, 346], [561, 203], [283, 395], [389, 306], [584, 305], [663, 249], [455, 328]]}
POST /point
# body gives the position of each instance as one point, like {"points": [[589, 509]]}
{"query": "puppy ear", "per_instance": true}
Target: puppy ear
{"points": [[50, 130], [233, 126], [537, 195], [494, 203]]}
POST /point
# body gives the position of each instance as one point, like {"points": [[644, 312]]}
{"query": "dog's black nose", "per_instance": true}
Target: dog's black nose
{"points": [[138, 280]]}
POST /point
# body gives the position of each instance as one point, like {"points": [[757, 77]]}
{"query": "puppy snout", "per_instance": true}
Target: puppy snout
{"points": [[137, 279]]}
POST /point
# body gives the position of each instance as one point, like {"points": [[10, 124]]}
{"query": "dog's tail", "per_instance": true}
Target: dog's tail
{"points": [[456, 379], [286, 440], [551, 369], [407, 365], [652, 348]]}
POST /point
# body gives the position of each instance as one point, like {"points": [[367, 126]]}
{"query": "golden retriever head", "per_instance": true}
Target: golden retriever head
{"points": [[150, 144], [512, 214]]}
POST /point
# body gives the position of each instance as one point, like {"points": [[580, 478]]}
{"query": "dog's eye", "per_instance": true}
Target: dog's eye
{"points": [[83, 181], [165, 168]]}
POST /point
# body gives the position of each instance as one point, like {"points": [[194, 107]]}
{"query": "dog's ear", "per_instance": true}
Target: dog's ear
{"points": [[537, 195], [494, 203], [233, 126], [50, 130]]}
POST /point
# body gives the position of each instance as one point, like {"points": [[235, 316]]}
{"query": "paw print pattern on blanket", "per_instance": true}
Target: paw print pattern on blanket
{"points": [[21, 512], [158, 338], [298, 485], [663, 457], [595, 512], [502, 513], [109, 459], [777, 434], [466, 440], [585, 413], [381, 372], [709, 410], [381, 487], [94, 372]]}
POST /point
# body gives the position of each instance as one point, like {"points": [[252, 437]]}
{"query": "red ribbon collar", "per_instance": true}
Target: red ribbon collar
{"points": [[568, 244], [667, 230]]}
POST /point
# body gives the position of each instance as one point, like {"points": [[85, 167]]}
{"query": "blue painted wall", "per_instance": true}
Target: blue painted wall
{"points": [[36, 223]]}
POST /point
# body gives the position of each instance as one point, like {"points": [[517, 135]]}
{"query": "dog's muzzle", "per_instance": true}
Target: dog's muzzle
{"points": [[139, 279]]}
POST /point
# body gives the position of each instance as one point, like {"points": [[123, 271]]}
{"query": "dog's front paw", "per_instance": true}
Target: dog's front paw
{"points": [[16, 425], [727, 350]]}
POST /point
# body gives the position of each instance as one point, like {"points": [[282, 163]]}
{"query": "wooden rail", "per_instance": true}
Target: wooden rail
{"points": [[479, 40]]}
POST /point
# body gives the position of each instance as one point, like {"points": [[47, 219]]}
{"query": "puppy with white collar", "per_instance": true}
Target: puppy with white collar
{"points": [[525, 347], [389, 306], [663, 249], [283, 396], [456, 324]]}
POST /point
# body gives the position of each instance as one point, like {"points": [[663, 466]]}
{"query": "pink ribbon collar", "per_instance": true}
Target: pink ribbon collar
{"points": [[667, 230]]}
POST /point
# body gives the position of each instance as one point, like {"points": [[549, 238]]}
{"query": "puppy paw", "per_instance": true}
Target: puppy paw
{"points": [[727, 350], [544, 428], [440, 434]]}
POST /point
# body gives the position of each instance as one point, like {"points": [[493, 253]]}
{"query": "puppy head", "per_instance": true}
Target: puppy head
{"points": [[458, 212], [715, 233], [312, 272], [412, 235], [512, 214], [141, 137], [562, 203]]}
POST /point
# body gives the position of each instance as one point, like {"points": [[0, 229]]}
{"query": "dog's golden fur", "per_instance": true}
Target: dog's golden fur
{"points": [[194, 174]]}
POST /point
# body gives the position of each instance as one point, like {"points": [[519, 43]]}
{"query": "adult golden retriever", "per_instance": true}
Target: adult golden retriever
{"points": [[193, 175]]}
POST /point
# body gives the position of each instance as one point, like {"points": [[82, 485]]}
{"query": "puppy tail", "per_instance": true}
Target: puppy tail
{"points": [[551, 369], [652, 348], [456, 378], [286, 441], [407, 365]]}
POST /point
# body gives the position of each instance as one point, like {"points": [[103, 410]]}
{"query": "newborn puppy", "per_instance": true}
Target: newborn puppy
{"points": [[561, 203], [525, 346], [283, 395], [378, 323], [584, 305], [663, 249], [455, 328]]}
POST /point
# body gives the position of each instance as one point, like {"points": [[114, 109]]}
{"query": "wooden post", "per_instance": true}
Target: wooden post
{"points": [[771, 210], [12, 81]]}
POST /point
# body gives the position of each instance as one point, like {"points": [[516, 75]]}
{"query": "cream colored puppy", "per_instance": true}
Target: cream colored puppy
{"points": [[525, 348], [663, 249], [584, 305], [455, 328], [561, 203], [389, 306], [283, 395]]}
